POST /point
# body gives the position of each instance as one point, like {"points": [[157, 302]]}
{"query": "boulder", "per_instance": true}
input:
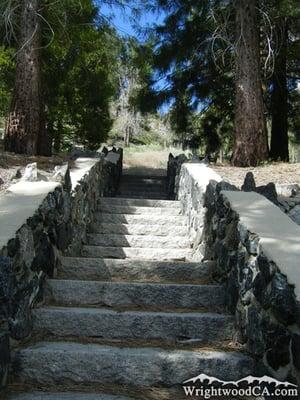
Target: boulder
{"points": [[269, 191], [249, 184], [30, 173], [287, 190], [62, 174]]}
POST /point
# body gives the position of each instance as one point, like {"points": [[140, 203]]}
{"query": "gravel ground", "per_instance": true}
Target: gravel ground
{"points": [[280, 173]]}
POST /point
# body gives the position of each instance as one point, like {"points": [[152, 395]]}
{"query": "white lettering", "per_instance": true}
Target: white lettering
{"points": [[189, 390]]}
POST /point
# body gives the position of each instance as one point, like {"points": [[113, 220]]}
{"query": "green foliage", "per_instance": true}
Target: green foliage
{"points": [[7, 69], [193, 52], [195, 71], [79, 55], [288, 8], [145, 139], [79, 75]]}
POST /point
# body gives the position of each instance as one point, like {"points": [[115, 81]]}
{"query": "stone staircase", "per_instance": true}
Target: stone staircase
{"points": [[132, 318]]}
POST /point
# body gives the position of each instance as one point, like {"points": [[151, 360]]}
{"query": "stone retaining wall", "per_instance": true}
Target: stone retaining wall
{"points": [[192, 181], [260, 279], [57, 227]]}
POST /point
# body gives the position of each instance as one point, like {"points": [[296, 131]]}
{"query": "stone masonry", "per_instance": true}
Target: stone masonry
{"points": [[131, 316], [255, 247], [57, 227]]}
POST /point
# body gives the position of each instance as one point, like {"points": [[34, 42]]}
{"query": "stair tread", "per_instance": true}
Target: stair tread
{"points": [[147, 177], [138, 229], [143, 195], [142, 219], [152, 253], [143, 186], [143, 367], [137, 210], [112, 324], [134, 270], [117, 312], [63, 396], [134, 262], [127, 294], [136, 241], [142, 202]]}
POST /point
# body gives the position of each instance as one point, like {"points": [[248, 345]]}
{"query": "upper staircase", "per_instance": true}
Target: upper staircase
{"points": [[132, 318]]}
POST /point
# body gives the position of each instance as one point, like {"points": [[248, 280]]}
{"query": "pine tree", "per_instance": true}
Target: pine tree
{"points": [[25, 122], [251, 145]]}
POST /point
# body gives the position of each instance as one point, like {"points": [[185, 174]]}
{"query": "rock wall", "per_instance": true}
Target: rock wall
{"points": [[193, 179], [57, 227], [173, 171], [260, 281]]}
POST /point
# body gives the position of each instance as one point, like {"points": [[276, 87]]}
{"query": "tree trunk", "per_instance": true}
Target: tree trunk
{"points": [[128, 131], [279, 101], [25, 123], [251, 144]]}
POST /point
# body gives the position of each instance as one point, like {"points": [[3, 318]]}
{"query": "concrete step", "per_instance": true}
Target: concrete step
{"points": [[144, 182], [143, 195], [136, 187], [130, 229], [134, 270], [63, 396], [134, 295], [117, 209], [90, 365], [109, 324], [143, 178], [140, 253], [139, 202], [147, 241], [148, 219]]}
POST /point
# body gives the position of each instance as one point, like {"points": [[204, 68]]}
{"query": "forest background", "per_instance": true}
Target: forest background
{"points": [[218, 77]]}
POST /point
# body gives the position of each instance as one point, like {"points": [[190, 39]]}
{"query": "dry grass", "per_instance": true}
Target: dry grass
{"points": [[148, 160]]}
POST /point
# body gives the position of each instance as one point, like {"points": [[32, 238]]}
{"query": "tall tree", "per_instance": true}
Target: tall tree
{"points": [[80, 81], [285, 17], [134, 71], [279, 149], [251, 145], [25, 122]]}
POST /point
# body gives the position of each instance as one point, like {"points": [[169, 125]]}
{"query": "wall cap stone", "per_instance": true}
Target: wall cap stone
{"points": [[279, 235], [18, 204], [201, 173], [81, 167], [22, 199]]}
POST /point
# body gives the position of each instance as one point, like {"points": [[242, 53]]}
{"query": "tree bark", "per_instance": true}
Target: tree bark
{"points": [[25, 122], [251, 143], [279, 100], [127, 136]]}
